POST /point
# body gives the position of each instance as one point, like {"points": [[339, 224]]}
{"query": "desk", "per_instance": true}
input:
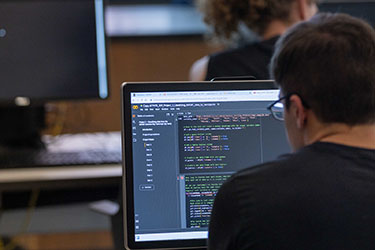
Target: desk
{"points": [[65, 191], [25, 178], [74, 218]]}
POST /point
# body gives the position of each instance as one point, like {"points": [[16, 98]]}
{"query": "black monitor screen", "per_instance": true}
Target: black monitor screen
{"points": [[364, 9], [52, 50]]}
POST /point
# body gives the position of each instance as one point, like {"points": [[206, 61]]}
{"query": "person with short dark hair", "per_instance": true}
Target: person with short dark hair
{"points": [[322, 196]]}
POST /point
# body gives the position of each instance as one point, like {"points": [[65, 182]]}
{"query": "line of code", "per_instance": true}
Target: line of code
{"points": [[205, 162], [200, 193], [224, 143]]}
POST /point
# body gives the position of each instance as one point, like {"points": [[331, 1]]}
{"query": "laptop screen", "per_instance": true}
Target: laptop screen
{"points": [[184, 145]]}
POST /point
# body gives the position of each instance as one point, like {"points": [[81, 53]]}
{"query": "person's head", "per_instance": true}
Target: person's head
{"points": [[327, 66], [226, 16]]}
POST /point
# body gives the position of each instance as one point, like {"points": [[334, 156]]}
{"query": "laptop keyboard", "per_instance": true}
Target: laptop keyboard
{"points": [[78, 149]]}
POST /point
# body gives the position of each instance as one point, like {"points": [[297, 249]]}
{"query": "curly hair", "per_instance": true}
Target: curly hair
{"points": [[225, 16]]}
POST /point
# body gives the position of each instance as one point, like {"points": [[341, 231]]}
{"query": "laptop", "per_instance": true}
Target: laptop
{"points": [[181, 141]]}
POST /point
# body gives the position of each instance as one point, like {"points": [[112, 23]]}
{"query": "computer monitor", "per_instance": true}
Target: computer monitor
{"points": [[182, 140], [364, 9], [50, 50]]}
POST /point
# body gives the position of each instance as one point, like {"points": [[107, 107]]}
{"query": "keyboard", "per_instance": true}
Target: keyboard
{"points": [[45, 158], [67, 150]]}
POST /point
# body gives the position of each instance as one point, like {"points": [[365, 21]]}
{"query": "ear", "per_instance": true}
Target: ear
{"points": [[298, 111], [302, 9]]}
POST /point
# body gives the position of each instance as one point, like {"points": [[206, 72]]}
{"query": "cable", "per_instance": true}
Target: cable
{"points": [[1, 243]]}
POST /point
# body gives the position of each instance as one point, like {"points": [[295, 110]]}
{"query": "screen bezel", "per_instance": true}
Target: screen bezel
{"points": [[127, 149]]}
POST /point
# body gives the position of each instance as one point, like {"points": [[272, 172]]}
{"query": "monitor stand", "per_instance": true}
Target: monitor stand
{"points": [[20, 127]]}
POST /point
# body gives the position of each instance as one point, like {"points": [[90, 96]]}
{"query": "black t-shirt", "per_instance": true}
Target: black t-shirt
{"points": [[322, 197], [250, 60]]}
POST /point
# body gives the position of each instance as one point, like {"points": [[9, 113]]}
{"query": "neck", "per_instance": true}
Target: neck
{"points": [[362, 136], [275, 28]]}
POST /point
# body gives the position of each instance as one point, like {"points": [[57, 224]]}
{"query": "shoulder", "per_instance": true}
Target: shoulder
{"points": [[286, 166], [306, 163], [199, 69]]}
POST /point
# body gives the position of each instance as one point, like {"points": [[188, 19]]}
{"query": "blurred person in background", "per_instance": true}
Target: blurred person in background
{"points": [[238, 22]]}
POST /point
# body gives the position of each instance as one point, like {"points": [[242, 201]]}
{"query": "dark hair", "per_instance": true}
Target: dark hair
{"points": [[330, 62]]}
